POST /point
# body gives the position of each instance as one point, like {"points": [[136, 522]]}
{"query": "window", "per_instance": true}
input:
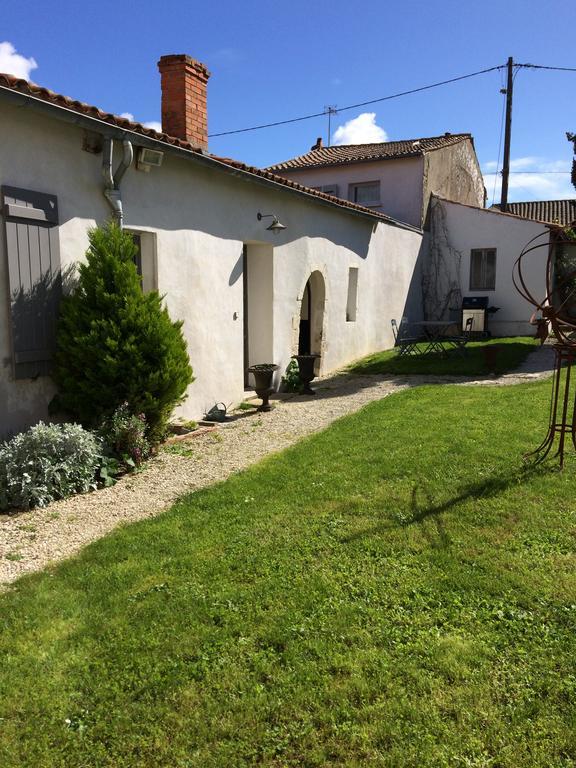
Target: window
{"points": [[366, 193], [329, 189], [145, 259], [483, 269], [137, 240], [352, 301]]}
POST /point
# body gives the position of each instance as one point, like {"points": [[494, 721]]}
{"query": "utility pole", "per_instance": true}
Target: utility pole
{"points": [[507, 136]]}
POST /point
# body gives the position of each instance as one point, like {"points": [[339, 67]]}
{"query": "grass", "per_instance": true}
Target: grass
{"points": [[512, 352], [180, 448], [246, 406], [395, 591]]}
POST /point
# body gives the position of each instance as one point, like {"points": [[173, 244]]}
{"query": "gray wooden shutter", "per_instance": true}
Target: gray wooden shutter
{"points": [[32, 247]]}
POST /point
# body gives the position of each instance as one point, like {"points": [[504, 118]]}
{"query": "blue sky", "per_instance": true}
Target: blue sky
{"points": [[273, 61]]}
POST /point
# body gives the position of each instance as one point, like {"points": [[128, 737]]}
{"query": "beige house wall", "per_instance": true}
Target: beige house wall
{"points": [[454, 174], [400, 183], [407, 183]]}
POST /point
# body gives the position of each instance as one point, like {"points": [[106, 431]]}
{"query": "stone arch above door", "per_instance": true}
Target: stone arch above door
{"points": [[310, 316]]}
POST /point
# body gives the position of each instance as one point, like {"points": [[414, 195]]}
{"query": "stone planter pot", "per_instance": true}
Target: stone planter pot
{"points": [[263, 376], [306, 371]]}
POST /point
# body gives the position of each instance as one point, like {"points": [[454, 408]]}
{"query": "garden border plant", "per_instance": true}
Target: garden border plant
{"points": [[48, 462], [117, 344]]}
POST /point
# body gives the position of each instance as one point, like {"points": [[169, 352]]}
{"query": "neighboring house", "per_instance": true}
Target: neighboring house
{"points": [[395, 177], [562, 212], [329, 283], [472, 252]]}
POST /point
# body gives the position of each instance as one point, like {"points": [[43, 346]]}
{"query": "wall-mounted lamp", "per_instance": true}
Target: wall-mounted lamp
{"points": [[276, 226]]}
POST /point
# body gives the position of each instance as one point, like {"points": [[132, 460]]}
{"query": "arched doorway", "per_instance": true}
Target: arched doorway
{"points": [[312, 316]]}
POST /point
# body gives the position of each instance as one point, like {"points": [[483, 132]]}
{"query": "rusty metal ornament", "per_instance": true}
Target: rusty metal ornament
{"points": [[557, 310]]}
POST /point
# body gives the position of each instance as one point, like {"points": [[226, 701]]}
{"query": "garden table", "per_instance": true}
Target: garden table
{"points": [[435, 331]]}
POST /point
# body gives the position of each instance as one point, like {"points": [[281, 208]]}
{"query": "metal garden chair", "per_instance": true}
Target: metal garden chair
{"points": [[459, 342], [407, 345]]}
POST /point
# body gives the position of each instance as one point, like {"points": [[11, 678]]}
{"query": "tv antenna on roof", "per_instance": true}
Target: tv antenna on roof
{"points": [[331, 109]]}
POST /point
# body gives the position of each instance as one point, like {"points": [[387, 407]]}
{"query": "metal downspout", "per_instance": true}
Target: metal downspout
{"points": [[112, 180]]}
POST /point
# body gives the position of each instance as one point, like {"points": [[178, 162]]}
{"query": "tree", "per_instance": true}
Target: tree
{"points": [[572, 137], [116, 344]]}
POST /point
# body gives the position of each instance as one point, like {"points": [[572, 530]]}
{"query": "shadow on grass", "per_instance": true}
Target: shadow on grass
{"points": [[423, 511], [438, 369], [508, 355]]}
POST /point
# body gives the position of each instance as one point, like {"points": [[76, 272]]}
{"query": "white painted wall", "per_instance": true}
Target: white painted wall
{"points": [[200, 219], [401, 183], [470, 228], [260, 310]]}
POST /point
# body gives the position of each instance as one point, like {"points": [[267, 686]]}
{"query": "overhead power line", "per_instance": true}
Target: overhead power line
{"points": [[497, 173], [541, 66], [388, 98], [361, 104]]}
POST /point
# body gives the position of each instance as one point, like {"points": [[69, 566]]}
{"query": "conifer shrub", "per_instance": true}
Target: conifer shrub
{"points": [[116, 344]]}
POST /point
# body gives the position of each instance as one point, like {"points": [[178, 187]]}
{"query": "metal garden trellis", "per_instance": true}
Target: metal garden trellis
{"points": [[558, 310]]}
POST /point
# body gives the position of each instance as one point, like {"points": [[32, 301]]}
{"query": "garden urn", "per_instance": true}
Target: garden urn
{"points": [[306, 371], [263, 375]]}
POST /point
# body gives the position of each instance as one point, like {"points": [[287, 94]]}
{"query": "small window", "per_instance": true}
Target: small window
{"points": [[145, 259], [352, 301], [483, 269], [137, 240], [366, 193]]}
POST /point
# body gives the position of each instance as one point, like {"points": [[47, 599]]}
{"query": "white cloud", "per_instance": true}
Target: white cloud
{"points": [[524, 163], [535, 178], [154, 124], [12, 63], [360, 130]]}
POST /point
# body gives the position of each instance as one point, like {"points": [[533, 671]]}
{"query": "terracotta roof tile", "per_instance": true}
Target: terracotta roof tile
{"points": [[356, 153], [44, 94], [561, 212]]}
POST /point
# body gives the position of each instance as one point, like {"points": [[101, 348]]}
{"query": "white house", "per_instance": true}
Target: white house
{"points": [[328, 283], [331, 280], [394, 177], [472, 253]]}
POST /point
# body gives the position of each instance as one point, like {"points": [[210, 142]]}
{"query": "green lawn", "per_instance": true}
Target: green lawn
{"points": [[395, 591], [512, 351]]}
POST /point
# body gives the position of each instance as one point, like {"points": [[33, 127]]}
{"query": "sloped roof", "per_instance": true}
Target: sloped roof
{"points": [[36, 92], [359, 153], [561, 212]]}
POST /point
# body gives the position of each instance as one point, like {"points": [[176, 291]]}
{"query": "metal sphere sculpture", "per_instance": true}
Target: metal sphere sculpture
{"points": [[556, 311]]}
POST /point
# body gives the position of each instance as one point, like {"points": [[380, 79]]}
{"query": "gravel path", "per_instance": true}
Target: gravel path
{"points": [[31, 540]]}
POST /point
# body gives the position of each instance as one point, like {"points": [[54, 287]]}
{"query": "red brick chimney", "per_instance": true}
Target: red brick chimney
{"points": [[184, 113]]}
